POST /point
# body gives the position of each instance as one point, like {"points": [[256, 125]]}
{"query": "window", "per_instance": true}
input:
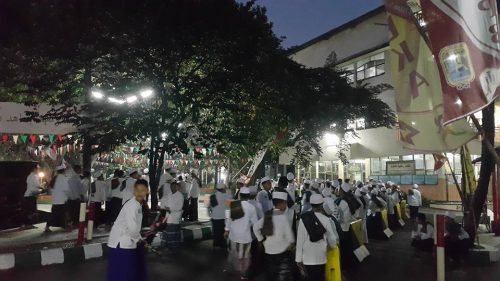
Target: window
{"points": [[429, 164], [375, 166], [407, 157], [348, 73], [370, 67], [419, 161]]}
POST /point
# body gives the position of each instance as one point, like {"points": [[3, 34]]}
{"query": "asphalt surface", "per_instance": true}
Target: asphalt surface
{"points": [[393, 260]]}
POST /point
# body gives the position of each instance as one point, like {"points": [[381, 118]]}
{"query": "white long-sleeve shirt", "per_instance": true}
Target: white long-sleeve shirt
{"points": [[282, 236], [127, 227], [265, 201], [314, 253], [374, 208], [128, 192], [99, 195], [219, 212], [175, 202], [429, 234], [345, 216], [415, 199], [32, 185], [61, 190], [194, 189], [75, 187], [240, 229]]}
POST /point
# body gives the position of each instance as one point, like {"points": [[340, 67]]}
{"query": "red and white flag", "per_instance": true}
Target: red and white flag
{"points": [[464, 36], [439, 161]]}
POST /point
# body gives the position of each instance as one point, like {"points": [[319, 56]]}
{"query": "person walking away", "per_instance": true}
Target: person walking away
{"points": [[264, 196], [374, 223], [275, 233], [194, 193], [349, 209], [423, 238], [126, 255], [314, 236], [252, 200], [33, 189], [240, 182], [75, 195], [60, 191], [97, 196], [282, 187], [239, 229], [173, 205], [414, 201], [306, 196], [116, 196], [127, 187], [85, 185], [217, 210]]}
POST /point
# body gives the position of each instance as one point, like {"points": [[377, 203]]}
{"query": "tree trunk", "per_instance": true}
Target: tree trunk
{"points": [[87, 153], [474, 205]]}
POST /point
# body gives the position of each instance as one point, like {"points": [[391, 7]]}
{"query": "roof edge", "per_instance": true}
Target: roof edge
{"points": [[336, 30]]}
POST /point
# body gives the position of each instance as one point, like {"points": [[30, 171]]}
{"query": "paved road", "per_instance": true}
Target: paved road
{"points": [[392, 260]]}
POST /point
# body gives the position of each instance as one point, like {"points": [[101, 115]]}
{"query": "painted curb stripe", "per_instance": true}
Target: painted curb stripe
{"points": [[7, 261], [92, 251], [74, 255], [27, 260], [52, 256]]}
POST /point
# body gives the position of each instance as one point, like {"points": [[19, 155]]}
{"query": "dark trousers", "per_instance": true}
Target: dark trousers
{"points": [[279, 267], [315, 272], [28, 205], [257, 260], [455, 248], [375, 227], [413, 212], [347, 257], [74, 211], [218, 231], [127, 264], [193, 209]]}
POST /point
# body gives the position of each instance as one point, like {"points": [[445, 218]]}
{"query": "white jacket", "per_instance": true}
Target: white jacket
{"points": [[240, 229], [314, 253], [127, 227], [415, 199], [282, 236], [61, 190]]}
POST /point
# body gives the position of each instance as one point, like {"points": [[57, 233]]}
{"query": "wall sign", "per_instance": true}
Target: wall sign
{"points": [[400, 167]]}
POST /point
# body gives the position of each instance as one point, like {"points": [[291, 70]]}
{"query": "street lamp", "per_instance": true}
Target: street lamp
{"points": [[115, 100], [132, 99], [97, 95], [146, 93]]}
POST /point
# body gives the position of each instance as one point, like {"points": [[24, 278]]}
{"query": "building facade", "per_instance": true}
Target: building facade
{"points": [[360, 48]]}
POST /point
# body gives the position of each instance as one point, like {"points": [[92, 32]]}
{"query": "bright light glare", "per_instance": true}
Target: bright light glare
{"points": [[164, 135], [331, 139], [41, 175], [132, 99], [413, 123], [452, 57], [180, 125], [458, 102], [146, 93], [115, 100], [97, 95]]}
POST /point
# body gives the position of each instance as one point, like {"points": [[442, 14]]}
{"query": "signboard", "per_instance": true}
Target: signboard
{"points": [[400, 167]]}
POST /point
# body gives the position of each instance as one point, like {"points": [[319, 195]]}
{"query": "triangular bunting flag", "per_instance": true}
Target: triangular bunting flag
{"points": [[24, 138], [40, 137], [5, 138], [33, 139], [51, 138], [60, 137]]}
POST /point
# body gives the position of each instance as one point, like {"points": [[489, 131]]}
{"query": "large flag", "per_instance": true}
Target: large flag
{"points": [[439, 160], [468, 179], [465, 40], [418, 87]]}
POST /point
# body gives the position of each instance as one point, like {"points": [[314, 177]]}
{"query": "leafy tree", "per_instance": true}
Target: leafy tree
{"points": [[217, 71]]}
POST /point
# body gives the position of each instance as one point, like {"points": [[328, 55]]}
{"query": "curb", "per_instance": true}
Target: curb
{"points": [[80, 254], [486, 255]]}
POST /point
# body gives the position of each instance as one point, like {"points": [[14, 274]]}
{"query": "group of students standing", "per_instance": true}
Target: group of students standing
{"points": [[282, 223]]}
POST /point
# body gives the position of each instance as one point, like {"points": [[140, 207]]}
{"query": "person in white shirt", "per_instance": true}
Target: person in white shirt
{"points": [[349, 209], [116, 196], [423, 238], [60, 191], [290, 211], [173, 204], [85, 185], [316, 233], [374, 223], [239, 229], [414, 201], [75, 194], [98, 196], [264, 196], [217, 209], [33, 189], [127, 187], [194, 193], [275, 233], [306, 195], [126, 255], [252, 200]]}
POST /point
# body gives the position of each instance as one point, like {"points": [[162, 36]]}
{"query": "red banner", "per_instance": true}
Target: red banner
{"points": [[465, 40]]}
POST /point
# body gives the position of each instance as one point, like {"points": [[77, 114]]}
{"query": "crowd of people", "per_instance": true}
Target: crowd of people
{"points": [[283, 229]]}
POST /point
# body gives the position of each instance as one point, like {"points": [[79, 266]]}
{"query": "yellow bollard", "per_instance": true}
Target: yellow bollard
{"points": [[384, 218], [404, 215], [333, 272]]}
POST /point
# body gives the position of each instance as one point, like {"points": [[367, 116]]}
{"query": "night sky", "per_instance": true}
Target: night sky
{"points": [[301, 20]]}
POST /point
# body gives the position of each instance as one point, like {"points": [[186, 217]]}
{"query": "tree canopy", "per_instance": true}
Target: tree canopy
{"points": [[217, 71]]}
